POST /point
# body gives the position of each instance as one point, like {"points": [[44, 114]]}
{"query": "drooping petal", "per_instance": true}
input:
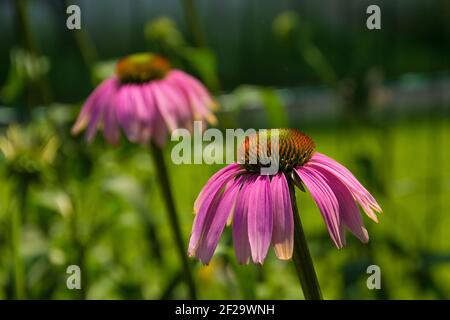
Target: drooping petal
{"points": [[144, 106], [326, 200], [361, 195], [91, 104], [207, 202], [178, 103], [126, 113], [196, 85], [150, 119], [146, 109], [260, 218], [166, 109], [283, 220], [216, 182], [135, 114], [348, 209], [103, 102], [215, 221], [111, 130], [96, 118], [155, 126], [159, 130], [240, 222], [196, 95]]}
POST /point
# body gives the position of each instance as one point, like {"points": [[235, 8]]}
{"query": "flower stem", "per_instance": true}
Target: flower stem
{"points": [[86, 47], [193, 22], [16, 235], [173, 218], [302, 258], [80, 252], [29, 42]]}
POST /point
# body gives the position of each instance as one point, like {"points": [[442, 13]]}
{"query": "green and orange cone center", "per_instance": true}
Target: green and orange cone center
{"points": [[142, 67], [290, 147]]}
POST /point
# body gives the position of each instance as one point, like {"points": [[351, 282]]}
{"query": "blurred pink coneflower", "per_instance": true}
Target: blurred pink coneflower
{"points": [[147, 99]]}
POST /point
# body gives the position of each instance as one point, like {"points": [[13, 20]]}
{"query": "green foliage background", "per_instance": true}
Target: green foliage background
{"points": [[100, 207]]}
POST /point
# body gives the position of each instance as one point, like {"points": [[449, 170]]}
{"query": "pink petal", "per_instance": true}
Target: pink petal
{"points": [[196, 86], [326, 200], [218, 214], [207, 202], [164, 106], [149, 115], [144, 104], [198, 99], [159, 130], [361, 195], [240, 222], [283, 220], [348, 210], [142, 112], [172, 104], [216, 182], [260, 218], [134, 112], [96, 116], [111, 129], [155, 126], [178, 103], [102, 102], [91, 104], [126, 113]]}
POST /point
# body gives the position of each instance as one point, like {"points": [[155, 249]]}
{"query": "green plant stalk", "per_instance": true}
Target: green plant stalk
{"points": [[29, 42], [80, 251], [16, 235], [86, 46], [163, 176], [193, 23], [301, 256]]}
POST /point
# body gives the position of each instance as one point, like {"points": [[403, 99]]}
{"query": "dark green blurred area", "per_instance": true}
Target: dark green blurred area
{"points": [[377, 101]]}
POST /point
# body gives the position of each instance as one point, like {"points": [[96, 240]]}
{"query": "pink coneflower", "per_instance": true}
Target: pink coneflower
{"points": [[260, 207], [147, 99]]}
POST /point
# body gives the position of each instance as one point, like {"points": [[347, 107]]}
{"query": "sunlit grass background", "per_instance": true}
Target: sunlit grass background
{"points": [[100, 207]]}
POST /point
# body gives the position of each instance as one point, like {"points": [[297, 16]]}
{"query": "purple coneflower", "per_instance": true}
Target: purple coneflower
{"points": [[261, 208], [147, 99]]}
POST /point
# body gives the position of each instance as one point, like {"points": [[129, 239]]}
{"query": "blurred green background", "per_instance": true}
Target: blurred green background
{"points": [[377, 101]]}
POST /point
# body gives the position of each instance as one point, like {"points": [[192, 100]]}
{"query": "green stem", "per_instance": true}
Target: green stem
{"points": [[173, 218], [29, 42], [193, 23], [16, 235], [79, 248], [86, 46], [301, 257], [25, 30]]}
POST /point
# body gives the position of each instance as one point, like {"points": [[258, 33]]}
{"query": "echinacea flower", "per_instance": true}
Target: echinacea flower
{"points": [[147, 99], [259, 206]]}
